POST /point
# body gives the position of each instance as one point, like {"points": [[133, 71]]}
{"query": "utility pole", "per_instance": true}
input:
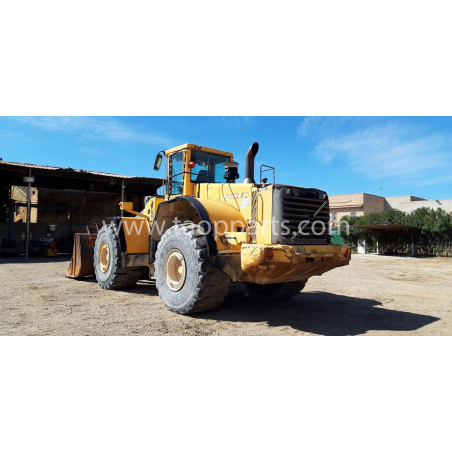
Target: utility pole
{"points": [[381, 187], [123, 186], [28, 180]]}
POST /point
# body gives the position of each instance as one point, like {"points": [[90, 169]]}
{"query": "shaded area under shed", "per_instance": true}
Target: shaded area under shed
{"points": [[388, 227], [65, 201]]}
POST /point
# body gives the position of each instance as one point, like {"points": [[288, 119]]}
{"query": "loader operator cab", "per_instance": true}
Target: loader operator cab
{"points": [[207, 167], [191, 165]]}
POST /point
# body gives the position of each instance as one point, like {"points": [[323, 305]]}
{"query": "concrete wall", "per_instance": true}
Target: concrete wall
{"points": [[394, 202], [373, 204], [445, 204], [360, 204], [355, 204]]}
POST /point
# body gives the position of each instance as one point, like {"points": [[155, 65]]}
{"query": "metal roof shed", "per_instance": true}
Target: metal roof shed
{"points": [[390, 227], [12, 173]]}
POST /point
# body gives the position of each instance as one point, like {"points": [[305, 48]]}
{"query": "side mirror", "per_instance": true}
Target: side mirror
{"points": [[158, 161]]}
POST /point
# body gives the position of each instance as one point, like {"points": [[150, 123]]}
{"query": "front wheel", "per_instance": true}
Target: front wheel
{"points": [[185, 278], [275, 291], [107, 262]]}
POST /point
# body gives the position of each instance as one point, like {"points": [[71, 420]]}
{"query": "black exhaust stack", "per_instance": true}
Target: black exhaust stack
{"points": [[249, 164]]}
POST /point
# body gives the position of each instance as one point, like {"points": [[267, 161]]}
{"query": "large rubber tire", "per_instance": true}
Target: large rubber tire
{"points": [[276, 291], [202, 286], [108, 270]]}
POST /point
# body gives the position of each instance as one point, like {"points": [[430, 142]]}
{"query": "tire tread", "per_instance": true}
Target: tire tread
{"points": [[212, 284], [120, 277]]}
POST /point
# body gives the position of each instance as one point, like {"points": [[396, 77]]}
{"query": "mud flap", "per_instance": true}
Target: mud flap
{"points": [[82, 263]]}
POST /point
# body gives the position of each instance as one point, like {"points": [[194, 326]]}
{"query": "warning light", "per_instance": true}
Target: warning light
{"points": [[269, 255], [191, 165]]}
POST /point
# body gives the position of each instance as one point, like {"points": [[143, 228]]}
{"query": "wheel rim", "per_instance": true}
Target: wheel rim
{"points": [[175, 269], [104, 257]]}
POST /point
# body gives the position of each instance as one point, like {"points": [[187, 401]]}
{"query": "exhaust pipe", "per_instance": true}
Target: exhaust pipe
{"points": [[249, 164]]}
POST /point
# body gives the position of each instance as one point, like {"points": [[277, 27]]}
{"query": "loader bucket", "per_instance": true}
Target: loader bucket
{"points": [[82, 263]]}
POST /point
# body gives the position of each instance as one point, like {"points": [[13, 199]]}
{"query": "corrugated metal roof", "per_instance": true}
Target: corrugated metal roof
{"points": [[59, 169]]}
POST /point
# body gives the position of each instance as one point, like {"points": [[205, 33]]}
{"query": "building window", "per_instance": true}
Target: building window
{"points": [[353, 214], [334, 217]]}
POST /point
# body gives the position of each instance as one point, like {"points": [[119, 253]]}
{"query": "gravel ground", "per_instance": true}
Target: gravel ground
{"points": [[374, 295]]}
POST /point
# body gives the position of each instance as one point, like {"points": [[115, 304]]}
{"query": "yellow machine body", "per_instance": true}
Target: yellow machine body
{"points": [[242, 215]]}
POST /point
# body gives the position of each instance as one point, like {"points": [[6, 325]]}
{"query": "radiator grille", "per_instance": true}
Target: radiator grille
{"points": [[304, 209]]}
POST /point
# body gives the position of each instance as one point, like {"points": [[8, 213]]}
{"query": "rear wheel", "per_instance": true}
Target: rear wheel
{"points": [[185, 278], [107, 262], [276, 291]]}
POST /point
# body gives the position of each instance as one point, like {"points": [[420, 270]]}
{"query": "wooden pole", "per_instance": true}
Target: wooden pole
{"points": [[123, 186], [27, 245]]}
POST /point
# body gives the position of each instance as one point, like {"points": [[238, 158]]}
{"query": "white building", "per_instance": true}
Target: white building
{"points": [[408, 205], [360, 204]]}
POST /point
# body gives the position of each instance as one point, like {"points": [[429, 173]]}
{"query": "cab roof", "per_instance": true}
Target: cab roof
{"points": [[198, 148]]}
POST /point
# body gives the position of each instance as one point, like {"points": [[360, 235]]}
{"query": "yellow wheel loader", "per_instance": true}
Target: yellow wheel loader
{"points": [[205, 231]]}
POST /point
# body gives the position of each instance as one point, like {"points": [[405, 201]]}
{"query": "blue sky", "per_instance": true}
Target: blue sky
{"points": [[337, 154]]}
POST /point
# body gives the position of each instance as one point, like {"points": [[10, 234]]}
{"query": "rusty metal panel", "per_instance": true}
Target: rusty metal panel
{"points": [[266, 264], [82, 261]]}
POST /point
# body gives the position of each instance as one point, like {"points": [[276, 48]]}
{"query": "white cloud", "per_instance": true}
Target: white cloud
{"points": [[109, 129], [318, 126], [408, 154]]}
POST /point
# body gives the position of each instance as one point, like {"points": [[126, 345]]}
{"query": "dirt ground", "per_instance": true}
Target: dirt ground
{"points": [[374, 295]]}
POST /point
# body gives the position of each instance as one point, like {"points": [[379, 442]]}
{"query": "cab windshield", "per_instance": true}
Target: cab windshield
{"points": [[208, 167]]}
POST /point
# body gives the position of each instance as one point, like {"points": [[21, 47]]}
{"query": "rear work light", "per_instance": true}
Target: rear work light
{"points": [[269, 255]]}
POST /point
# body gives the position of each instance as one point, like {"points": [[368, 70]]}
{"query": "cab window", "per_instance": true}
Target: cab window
{"points": [[208, 167], [162, 189], [177, 173]]}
